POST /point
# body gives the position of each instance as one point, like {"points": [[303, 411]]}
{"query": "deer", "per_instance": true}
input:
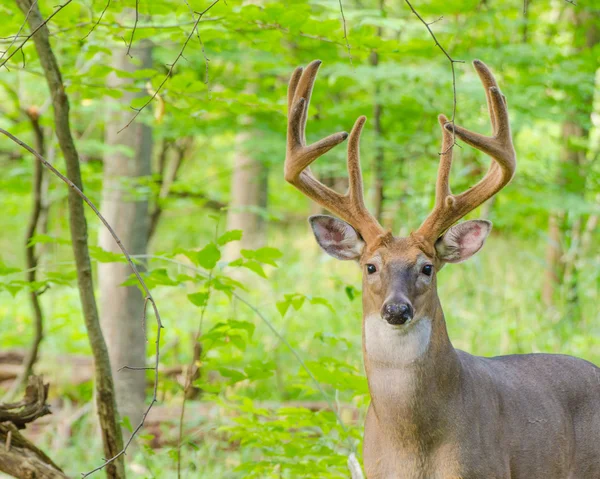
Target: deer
{"points": [[438, 412]]}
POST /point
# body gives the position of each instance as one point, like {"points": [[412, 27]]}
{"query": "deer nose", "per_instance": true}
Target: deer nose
{"points": [[397, 313]]}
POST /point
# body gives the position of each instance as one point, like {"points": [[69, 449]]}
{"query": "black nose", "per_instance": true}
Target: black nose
{"points": [[397, 313]]}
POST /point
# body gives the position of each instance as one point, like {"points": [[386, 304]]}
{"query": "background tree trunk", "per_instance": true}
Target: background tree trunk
{"points": [[378, 165], [249, 193], [32, 254], [564, 230], [127, 212], [105, 396]]}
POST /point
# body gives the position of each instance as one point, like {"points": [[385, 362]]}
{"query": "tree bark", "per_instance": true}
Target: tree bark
{"points": [[22, 459], [18, 456], [105, 395], [123, 307], [249, 189]]}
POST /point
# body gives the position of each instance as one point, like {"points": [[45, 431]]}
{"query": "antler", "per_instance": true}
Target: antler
{"points": [[450, 208], [349, 207]]}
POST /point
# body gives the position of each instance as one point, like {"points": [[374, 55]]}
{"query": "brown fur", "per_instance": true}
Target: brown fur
{"points": [[452, 415]]}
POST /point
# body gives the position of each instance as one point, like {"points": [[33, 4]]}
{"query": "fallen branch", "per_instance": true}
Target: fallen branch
{"points": [[28, 409], [19, 457]]}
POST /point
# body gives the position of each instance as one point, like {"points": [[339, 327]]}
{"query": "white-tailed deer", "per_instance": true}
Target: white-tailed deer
{"points": [[437, 412]]}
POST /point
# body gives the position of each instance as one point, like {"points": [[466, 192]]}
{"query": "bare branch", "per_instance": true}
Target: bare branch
{"points": [[345, 32], [137, 14], [99, 20], [20, 47], [172, 67], [452, 62], [14, 38]]}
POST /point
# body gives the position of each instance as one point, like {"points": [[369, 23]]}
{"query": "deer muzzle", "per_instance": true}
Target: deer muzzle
{"points": [[397, 312]]}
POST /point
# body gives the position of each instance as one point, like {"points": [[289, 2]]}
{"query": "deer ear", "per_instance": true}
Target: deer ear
{"points": [[462, 241], [336, 237]]}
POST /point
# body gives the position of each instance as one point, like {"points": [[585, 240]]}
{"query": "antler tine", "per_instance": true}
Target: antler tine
{"points": [[450, 208], [349, 207], [442, 187], [299, 155], [355, 183]]}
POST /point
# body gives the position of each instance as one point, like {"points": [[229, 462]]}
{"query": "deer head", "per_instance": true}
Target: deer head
{"points": [[399, 274]]}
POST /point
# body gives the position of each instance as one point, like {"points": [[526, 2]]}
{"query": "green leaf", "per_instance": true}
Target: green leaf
{"points": [[127, 423], [208, 256], [244, 325], [322, 301], [199, 299], [258, 370], [255, 267], [45, 239], [103, 256], [229, 236], [282, 307], [296, 300], [266, 255], [233, 374], [351, 292], [4, 270], [238, 342], [156, 277]]}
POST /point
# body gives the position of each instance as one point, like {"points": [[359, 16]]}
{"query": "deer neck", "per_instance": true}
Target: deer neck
{"points": [[413, 372]]}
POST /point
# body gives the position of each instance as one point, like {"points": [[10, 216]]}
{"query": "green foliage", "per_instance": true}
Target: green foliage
{"points": [[262, 420]]}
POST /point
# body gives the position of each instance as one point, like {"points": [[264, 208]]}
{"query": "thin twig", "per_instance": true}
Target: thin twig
{"points": [[149, 298], [20, 47], [452, 62], [172, 67], [345, 32], [206, 59], [14, 38], [137, 14], [99, 20]]}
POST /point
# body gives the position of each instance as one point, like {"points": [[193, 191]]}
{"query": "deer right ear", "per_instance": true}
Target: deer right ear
{"points": [[336, 237]]}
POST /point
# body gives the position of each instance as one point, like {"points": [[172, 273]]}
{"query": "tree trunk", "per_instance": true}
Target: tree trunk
{"points": [[105, 396], [128, 158], [378, 165], [249, 189], [31, 256], [167, 174], [564, 230]]}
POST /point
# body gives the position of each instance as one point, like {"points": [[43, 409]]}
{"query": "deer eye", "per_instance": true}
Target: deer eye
{"points": [[427, 270], [371, 269]]}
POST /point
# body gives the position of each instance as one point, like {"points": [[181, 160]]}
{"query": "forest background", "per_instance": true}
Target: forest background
{"points": [[176, 132]]}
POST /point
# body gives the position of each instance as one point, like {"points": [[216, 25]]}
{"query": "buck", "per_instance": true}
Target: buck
{"points": [[437, 412]]}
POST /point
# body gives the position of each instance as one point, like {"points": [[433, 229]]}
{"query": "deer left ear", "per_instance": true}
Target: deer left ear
{"points": [[463, 240], [336, 237]]}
